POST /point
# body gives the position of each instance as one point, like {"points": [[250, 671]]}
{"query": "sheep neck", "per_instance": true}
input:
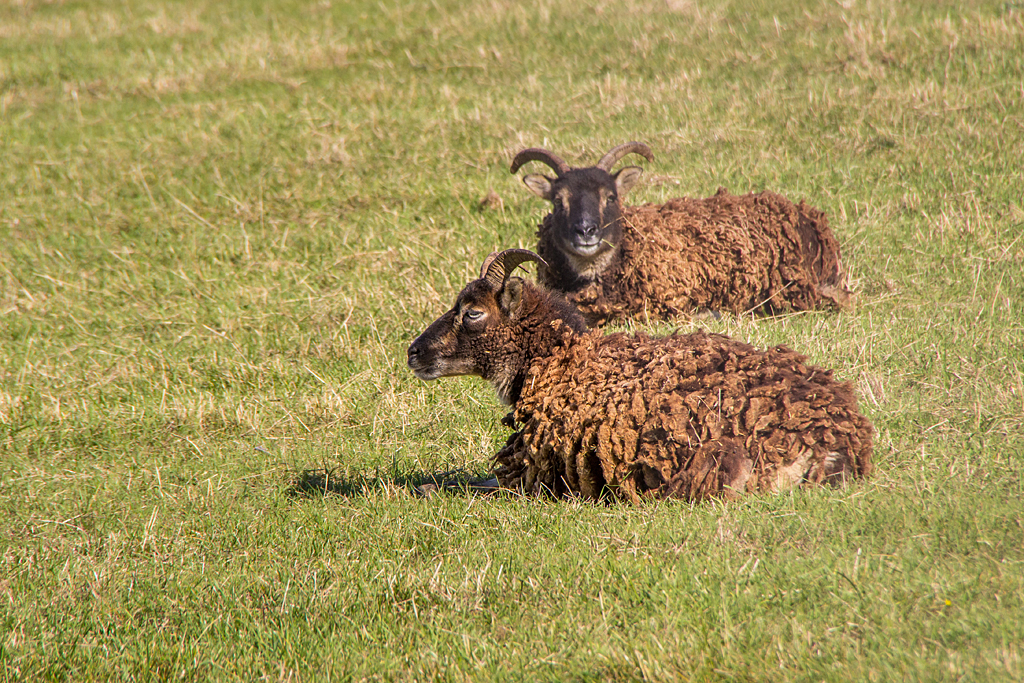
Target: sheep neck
{"points": [[545, 322]]}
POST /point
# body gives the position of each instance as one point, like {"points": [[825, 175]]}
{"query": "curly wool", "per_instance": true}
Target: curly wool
{"points": [[757, 252], [687, 416]]}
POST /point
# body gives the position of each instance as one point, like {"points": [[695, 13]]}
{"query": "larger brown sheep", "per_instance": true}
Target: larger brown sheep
{"points": [[689, 416], [752, 253]]}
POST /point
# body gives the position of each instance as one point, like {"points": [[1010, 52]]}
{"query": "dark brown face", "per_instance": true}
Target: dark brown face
{"points": [[464, 341], [586, 207]]}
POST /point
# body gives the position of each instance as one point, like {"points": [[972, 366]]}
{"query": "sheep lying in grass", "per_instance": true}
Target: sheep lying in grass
{"points": [[688, 416], [757, 252]]}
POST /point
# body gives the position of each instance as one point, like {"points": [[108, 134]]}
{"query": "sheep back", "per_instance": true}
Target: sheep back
{"points": [[687, 416], [756, 252]]}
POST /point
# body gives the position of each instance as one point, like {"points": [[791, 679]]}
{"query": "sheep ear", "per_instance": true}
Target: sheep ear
{"points": [[626, 178], [539, 185], [511, 297]]}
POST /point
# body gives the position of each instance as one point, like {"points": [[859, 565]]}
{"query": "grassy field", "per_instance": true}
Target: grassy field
{"points": [[222, 223]]}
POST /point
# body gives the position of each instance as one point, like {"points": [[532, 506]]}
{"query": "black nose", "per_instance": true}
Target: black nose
{"points": [[586, 228], [414, 351]]}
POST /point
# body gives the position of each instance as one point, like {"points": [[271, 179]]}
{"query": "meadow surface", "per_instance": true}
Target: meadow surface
{"points": [[222, 223]]}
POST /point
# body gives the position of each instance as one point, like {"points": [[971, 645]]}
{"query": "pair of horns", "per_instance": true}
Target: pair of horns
{"points": [[561, 168], [498, 266]]}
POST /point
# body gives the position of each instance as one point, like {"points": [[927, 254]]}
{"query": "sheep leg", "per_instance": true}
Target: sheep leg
{"points": [[481, 486], [735, 468], [720, 467]]}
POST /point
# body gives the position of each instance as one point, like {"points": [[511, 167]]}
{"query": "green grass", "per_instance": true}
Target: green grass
{"points": [[221, 224]]}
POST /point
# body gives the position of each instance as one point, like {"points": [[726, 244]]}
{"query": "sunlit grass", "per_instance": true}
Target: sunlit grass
{"points": [[222, 223]]}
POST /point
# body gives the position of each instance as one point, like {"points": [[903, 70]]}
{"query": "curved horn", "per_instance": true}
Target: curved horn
{"points": [[542, 155], [498, 266], [616, 153]]}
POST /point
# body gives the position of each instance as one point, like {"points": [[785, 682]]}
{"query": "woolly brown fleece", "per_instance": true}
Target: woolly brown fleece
{"points": [[687, 416], [756, 252]]}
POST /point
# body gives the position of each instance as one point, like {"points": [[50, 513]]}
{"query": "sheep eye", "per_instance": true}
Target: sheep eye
{"points": [[611, 199], [471, 314]]}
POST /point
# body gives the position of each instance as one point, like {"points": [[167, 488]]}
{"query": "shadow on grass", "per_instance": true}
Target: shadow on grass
{"points": [[320, 482]]}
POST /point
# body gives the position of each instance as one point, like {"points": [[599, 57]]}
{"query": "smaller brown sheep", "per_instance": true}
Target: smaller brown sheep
{"points": [[689, 416], [751, 253]]}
